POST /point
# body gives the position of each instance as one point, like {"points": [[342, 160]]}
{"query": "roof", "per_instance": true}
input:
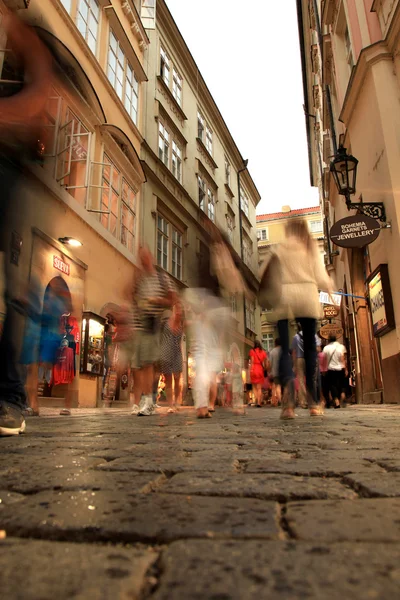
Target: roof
{"points": [[293, 213]]}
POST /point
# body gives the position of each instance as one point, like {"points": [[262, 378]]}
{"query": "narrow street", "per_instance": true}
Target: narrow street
{"points": [[105, 505]]}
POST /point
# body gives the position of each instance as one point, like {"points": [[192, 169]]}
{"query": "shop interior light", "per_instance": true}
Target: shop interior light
{"points": [[70, 241]]}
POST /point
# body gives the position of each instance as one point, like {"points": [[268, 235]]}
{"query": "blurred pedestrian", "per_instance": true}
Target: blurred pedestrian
{"points": [[336, 369], [274, 358], [258, 364], [297, 277], [21, 120], [153, 293], [299, 366], [171, 363]]}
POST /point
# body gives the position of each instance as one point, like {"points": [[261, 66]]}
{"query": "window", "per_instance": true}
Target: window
{"points": [[148, 14], [230, 226], [176, 161], [262, 235], [111, 184], [250, 315], [87, 21], [176, 254], [165, 66], [211, 205], [72, 158], [247, 249], [209, 140], [268, 341], [177, 87], [316, 226], [206, 198], [200, 126], [349, 52], [122, 77], [244, 202], [169, 151], [162, 242], [128, 216], [202, 192], [163, 144], [227, 172], [169, 247], [67, 5]]}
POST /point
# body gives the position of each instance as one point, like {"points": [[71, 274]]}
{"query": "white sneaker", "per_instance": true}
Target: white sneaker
{"points": [[148, 407], [135, 409]]}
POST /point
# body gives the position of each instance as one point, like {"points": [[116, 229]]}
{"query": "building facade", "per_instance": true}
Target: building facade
{"points": [[192, 169], [270, 231], [350, 63], [104, 180]]}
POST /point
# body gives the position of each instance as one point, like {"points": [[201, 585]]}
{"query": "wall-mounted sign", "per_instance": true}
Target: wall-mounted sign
{"points": [[60, 265], [355, 232], [332, 299], [380, 300], [327, 330], [330, 312]]}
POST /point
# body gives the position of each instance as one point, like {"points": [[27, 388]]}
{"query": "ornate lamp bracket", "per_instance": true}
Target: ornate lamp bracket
{"points": [[375, 210]]}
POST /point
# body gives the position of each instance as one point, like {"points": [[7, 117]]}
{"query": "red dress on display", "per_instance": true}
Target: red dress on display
{"points": [[63, 371], [257, 368]]}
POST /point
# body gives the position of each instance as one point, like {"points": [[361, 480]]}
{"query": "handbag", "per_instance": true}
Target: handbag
{"points": [[270, 291]]}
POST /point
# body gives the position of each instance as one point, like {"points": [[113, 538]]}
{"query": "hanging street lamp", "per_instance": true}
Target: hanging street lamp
{"points": [[344, 170]]}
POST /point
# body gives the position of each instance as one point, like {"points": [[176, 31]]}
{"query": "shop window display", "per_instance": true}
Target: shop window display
{"points": [[92, 350]]}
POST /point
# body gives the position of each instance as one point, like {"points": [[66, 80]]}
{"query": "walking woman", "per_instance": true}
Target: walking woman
{"points": [[258, 363], [297, 279], [171, 362]]}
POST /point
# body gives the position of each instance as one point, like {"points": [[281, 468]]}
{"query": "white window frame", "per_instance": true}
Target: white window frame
{"points": [[313, 226], [163, 143], [230, 226], [250, 309], [207, 197], [348, 47], [263, 234], [72, 138], [227, 172], [209, 139], [148, 13], [130, 211], [201, 126], [244, 202], [169, 254], [91, 17], [268, 341], [127, 90], [202, 191], [247, 250], [211, 205], [177, 85], [165, 66], [176, 160]]}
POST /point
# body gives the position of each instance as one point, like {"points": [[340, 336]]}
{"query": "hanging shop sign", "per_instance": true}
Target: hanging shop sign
{"points": [[330, 312], [380, 301], [60, 265], [331, 299], [355, 232], [327, 330]]}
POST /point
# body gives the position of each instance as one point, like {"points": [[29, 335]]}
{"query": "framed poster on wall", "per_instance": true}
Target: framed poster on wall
{"points": [[380, 301]]}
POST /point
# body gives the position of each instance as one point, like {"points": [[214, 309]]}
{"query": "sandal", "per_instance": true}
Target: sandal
{"points": [[203, 414], [287, 413], [316, 411]]}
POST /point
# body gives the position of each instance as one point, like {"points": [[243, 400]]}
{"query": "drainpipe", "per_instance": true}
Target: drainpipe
{"points": [[245, 163]]}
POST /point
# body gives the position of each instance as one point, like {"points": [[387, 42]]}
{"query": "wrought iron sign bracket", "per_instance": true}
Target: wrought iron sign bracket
{"points": [[375, 210]]}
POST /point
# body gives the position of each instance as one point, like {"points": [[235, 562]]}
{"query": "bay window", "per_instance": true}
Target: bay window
{"points": [[122, 77]]}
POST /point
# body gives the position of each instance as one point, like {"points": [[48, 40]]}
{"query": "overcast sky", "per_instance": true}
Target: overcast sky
{"points": [[248, 53]]}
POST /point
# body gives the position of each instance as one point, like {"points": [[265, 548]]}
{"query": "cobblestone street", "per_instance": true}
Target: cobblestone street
{"points": [[104, 505]]}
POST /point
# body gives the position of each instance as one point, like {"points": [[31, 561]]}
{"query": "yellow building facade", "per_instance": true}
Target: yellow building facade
{"points": [[103, 182], [350, 70]]}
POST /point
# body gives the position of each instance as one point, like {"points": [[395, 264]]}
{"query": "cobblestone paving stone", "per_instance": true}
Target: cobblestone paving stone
{"points": [[104, 505]]}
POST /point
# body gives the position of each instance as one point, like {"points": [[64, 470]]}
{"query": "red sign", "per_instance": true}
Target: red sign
{"points": [[60, 265]]}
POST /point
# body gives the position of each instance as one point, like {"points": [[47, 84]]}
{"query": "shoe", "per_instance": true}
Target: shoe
{"points": [[148, 407], [316, 411], [12, 420], [135, 409], [171, 410], [65, 412], [287, 413]]}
